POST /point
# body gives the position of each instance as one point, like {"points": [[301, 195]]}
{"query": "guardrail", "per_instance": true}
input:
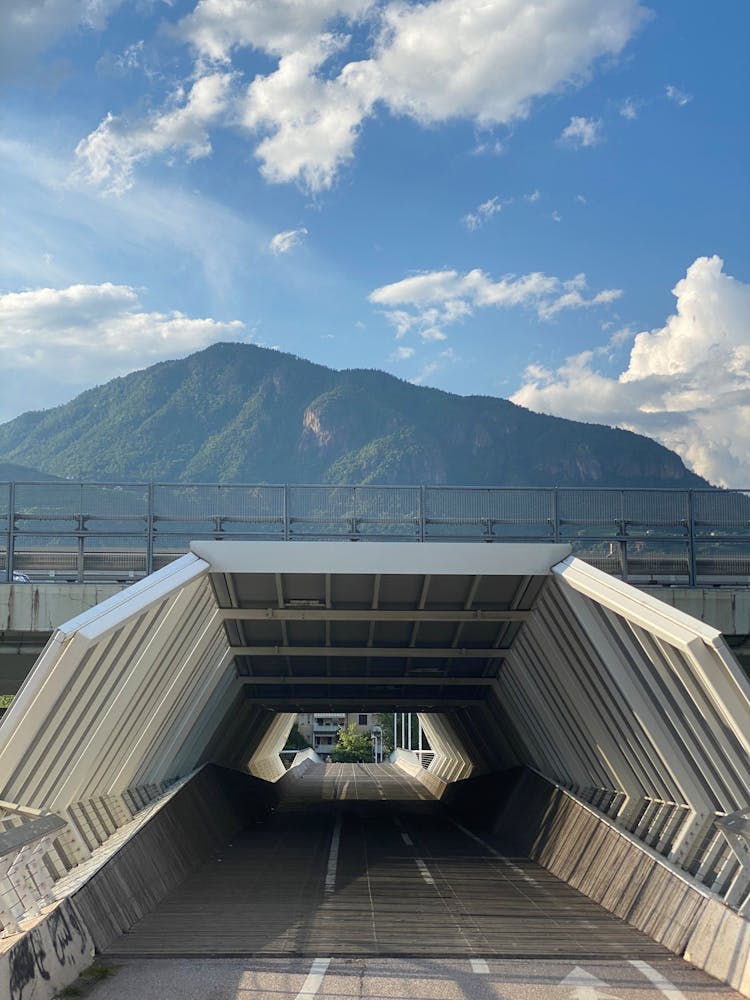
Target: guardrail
{"points": [[66, 531]]}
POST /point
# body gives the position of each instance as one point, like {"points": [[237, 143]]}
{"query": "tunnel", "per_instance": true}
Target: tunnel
{"points": [[591, 749]]}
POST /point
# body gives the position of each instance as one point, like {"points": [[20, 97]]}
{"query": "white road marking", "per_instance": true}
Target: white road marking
{"points": [[314, 978], [479, 966], [488, 847], [333, 856], [663, 985], [585, 986], [407, 840], [424, 871]]}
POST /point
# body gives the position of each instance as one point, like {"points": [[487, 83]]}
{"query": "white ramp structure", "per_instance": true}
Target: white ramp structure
{"points": [[516, 655]]}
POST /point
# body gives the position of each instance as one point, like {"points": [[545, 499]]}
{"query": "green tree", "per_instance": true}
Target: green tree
{"points": [[295, 740], [385, 721], [352, 746]]}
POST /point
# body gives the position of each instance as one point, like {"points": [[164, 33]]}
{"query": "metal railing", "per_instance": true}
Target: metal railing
{"points": [[66, 531]]}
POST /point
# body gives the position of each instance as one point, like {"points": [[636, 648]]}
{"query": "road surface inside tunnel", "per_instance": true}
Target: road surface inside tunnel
{"points": [[361, 860]]}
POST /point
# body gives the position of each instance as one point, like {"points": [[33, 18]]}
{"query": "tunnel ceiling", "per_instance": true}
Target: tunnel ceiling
{"points": [[373, 627]]}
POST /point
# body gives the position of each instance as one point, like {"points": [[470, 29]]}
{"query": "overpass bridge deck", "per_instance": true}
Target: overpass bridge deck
{"points": [[360, 860]]}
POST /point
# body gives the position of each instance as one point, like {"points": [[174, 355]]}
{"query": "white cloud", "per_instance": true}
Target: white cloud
{"points": [[108, 155], [581, 132], [286, 241], [430, 302], [57, 229], [28, 27], [484, 212], [534, 196], [687, 384], [490, 147], [629, 109], [444, 358], [74, 337], [486, 62], [310, 123], [217, 27], [403, 354], [679, 97]]}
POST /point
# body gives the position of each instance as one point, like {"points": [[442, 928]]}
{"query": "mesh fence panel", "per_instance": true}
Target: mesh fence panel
{"points": [[655, 524], [647, 510], [475, 506], [104, 502], [719, 512], [202, 504], [722, 560], [48, 501], [588, 508]]}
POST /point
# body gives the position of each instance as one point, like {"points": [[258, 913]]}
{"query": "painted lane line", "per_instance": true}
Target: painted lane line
{"points": [[333, 856], [424, 871], [314, 978], [479, 966], [488, 847], [663, 985], [407, 840]]}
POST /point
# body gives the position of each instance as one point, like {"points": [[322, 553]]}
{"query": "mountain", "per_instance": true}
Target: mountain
{"points": [[240, 413], [10, 472]]}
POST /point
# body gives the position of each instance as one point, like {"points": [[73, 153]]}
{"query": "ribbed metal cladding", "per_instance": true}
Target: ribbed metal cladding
{"points": [[643, 713]]}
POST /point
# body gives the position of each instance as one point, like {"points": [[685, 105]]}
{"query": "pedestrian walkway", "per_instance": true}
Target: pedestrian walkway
{"points": [[360, 860]]}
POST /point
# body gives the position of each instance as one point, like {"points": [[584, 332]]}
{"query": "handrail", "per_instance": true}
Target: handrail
{"points": [[79, 531]]}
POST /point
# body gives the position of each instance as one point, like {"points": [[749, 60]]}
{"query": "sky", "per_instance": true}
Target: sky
{"points": [[542, 200]]}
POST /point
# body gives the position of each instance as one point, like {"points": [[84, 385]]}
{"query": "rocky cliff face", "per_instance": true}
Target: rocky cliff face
{"points": [[238, 413]]}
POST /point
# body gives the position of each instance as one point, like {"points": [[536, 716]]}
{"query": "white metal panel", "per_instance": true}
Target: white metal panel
{"points": [[451, 761], [438, 559]]}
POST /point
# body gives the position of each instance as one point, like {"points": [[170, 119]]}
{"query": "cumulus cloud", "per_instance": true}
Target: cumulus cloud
{"points": [[486, 62], [218, 27], [629, 109], [109, 154], [687, 384], [427, 303], [28, 27], [581, 132], [286, 241], [74, 337]]}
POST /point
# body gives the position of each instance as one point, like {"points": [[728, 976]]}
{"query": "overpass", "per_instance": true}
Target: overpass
{"points": [[576, 721]]}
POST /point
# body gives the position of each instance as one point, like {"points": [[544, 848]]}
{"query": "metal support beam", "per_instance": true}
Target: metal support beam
{"points": [[369, 615], [374, 652], [286, 681], [351, 705]]}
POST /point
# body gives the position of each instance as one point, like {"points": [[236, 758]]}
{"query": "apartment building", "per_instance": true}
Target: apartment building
{"points": [[321, 728]]}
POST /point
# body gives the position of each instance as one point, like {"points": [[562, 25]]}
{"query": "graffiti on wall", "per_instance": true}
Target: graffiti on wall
{"points": [[49, 956]]}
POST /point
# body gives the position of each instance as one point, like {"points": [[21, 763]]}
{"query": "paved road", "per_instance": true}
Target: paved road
{"points": [[404, 979], [362, 885]]}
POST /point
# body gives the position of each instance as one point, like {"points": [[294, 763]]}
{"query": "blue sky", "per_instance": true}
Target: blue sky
{"points": [[544, 201]]}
